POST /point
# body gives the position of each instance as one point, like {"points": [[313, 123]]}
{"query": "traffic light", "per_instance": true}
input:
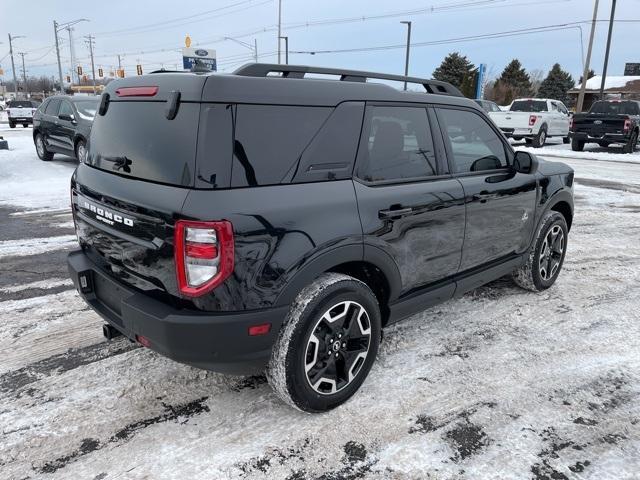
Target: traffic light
{"points": [[100, 73], [68, 79], [120, 73], [79, 71], [139, 69]]}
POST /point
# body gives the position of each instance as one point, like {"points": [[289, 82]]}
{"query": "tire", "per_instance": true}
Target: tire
{"points": [[546, 256], [81, 151], [566, 140], [12, 125], [577, 145], [41, 148], [604, 144], [540, 139], [25, 125], [630, 146], [528, 141], [312, 367], [516, 139]]}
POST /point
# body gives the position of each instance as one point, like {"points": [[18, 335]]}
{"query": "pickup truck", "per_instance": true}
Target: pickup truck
{"points": [[21, 111], [607, 122], [535, 120]]}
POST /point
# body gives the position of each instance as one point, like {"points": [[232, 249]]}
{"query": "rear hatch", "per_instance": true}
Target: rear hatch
{"points": [[139, 169]]}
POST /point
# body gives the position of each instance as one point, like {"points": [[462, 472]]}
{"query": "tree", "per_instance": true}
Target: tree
{"points": [[591, 74], [457, 70], [514, 82], [556, 85]]}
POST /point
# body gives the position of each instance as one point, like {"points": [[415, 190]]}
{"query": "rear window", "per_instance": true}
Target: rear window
{"points": [[615, 108], [87, 108], [135, 139], [529, 106], [22, 104]]}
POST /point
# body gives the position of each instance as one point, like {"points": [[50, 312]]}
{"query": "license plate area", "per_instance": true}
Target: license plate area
{"points": [[109, 294]]}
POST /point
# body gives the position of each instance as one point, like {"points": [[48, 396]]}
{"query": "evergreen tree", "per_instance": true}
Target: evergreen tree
{"points": [[591, 74], [514, 82], [556, 85], [458, 71]]}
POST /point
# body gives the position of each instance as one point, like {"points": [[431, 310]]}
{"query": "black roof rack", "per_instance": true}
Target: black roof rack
{"points": [[299, 71]]}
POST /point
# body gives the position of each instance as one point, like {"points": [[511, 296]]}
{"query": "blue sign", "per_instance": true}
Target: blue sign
{"points": [[204, 56]]}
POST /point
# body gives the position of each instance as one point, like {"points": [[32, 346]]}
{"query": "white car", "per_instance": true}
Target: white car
{"points": [[21, 112], [535, 120]]}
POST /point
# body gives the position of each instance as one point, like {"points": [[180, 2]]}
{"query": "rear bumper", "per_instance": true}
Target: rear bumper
{"points": [[606, 137], [21, 120], [518, 132], [209, 340]]}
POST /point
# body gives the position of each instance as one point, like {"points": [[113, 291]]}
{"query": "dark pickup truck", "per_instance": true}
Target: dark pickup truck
{"points": [[610, 121]]}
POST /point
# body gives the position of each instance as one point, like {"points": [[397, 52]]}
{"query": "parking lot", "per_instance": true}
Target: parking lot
{"points": [[502, 383]]}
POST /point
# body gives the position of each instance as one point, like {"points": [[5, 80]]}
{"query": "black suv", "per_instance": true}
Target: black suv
{"points": [[273, 219], [62, 125]]}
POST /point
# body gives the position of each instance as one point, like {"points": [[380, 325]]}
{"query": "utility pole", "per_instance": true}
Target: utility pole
{"points": [[24, 72], [286, 46], [587, 64], [279, 26], [55, 31], [90, 40], [13, 66], [606, 55], [255, 49], [72, 52], [406, 61]]}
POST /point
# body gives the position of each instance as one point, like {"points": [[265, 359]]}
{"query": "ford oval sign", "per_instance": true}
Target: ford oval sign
{"points": [[201, 53]]}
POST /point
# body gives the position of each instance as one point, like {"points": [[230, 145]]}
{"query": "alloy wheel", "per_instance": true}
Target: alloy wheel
{"points": [[40, 146], [551, 253], [338, 347]]}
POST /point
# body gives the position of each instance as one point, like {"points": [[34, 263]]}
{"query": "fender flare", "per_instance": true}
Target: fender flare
{"points": [[562, 195], [329, 259]]}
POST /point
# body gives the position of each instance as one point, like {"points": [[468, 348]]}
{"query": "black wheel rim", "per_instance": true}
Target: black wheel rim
{"points": [[551, 253], [337, 348]]}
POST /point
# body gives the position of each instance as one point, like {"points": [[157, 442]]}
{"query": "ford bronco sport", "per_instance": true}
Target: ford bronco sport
{"points": [[271, 219]]}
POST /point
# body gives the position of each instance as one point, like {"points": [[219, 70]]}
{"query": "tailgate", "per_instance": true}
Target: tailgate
{"points": [[511, 120], [598, 125]]}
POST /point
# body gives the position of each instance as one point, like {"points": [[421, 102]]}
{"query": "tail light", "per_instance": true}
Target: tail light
{"points": [[627, 125], [33, 111], [137, 91], [204, 255], [572, 125], [532, 120]]}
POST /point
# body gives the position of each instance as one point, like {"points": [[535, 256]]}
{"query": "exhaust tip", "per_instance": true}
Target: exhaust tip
{"points": [[110, 332]]}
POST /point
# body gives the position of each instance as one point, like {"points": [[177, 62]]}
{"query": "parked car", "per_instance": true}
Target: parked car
{"points": [[607, 122], [62, 125], [488, 106], [249, 221], [21, 112], [535, 120]]}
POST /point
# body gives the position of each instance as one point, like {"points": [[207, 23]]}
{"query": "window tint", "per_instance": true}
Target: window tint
{"points": [[52, 107], [399, 145], [474, 144], [65, 109], [529, 106], [615, 108], [269, 140]]}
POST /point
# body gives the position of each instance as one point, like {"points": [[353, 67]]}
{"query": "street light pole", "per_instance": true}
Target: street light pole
{"points": [[606, 55], [55, 31], [93, 66], [587, 63], [24, 72], [406, 61], [72, 52], [286, 47], [279, 27], [253, 48]]}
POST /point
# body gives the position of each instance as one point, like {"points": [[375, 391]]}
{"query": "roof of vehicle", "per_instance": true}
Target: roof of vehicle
{"points": [[292, 85], [537, 100]]}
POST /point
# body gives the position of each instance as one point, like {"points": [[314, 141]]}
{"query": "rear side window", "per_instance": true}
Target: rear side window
{"points": [[52, 107], [269, 140], [136, 139], [398, 145], [475, 146]]}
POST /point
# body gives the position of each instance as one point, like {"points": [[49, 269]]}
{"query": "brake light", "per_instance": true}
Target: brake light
{"points": [[627, 125], [204, 255], [136, 91], [532, 120], [572, 124], [33, 111]]}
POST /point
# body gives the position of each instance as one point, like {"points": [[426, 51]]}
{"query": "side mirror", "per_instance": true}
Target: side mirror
{"points": [[525, 162], [66, 117]]}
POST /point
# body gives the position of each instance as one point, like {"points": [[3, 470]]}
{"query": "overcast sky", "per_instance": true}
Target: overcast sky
{"points": [[138, 30]]}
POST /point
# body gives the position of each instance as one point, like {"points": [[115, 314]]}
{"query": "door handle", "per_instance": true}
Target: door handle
{"points": [[395, 213]]}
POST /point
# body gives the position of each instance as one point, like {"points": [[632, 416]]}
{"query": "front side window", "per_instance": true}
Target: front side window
{"points": [[52, 107], [66, 109], [474, 144], [399, 145]]}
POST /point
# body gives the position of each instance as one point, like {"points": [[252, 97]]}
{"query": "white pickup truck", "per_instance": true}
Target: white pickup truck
{"points": [[535, 120], [21, 112]]}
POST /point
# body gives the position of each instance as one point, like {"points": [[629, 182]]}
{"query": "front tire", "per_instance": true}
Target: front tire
{"points": [[81, 151], [630, 146], [546, 256], [327, 344], [41, 148], [540, 139]]}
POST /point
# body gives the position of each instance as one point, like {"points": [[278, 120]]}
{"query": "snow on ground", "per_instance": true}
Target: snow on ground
{"points": [[500, 384], [592, 151]]}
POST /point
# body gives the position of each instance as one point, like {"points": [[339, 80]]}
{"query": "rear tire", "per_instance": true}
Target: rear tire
{"points": [[630, 146], [327, 344], [25, 125], [81, 151], [546, 256], [12, 125], [540, 139], [577, 145], [604, 144], [41, 148]]}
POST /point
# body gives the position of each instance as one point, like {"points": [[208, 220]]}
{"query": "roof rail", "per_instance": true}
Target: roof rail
{"points": [[299, 71]]}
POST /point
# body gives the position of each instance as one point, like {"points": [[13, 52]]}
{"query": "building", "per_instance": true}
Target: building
{"points": [[615, 87]]}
